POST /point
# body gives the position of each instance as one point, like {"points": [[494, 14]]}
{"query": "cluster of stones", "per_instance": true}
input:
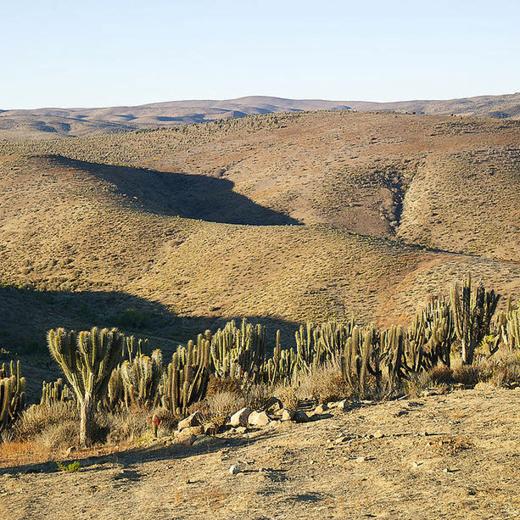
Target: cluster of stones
{"points": [[246, 418]]}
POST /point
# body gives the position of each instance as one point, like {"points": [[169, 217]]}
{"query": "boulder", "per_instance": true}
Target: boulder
{"points": [[300, 417], [258, 419], [195, 419], [241, 417]]}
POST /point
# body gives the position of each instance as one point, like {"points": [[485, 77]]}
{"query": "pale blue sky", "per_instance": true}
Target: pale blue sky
{"points": [[111, 52]]}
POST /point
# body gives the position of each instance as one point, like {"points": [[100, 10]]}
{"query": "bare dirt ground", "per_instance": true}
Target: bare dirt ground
{"points": [[453, 456]]}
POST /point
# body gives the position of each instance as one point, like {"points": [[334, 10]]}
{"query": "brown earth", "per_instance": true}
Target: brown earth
{"points": [[282, 218], [451, 456]]}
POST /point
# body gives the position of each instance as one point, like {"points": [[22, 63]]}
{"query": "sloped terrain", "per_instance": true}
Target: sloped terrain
{"points": [[453, 456], [45, 122], [280, 218]]}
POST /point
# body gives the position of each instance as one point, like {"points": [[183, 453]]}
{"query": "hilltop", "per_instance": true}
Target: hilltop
{"points": [[45, 122]]}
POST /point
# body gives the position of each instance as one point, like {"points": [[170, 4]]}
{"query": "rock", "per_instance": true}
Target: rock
{"points": [[401, 413], [234, 469], [192, 430], [195, 419], [287, 415], [241, 417], [361, 459], [345, 405], [321, 408], [273, 405], [300, 417], [185, 437], [379, 434], [211, 428], [258, 419]]}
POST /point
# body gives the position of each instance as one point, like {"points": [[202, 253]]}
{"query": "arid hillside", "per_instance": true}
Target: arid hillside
{"points": [[46, 122], [280, 217]]}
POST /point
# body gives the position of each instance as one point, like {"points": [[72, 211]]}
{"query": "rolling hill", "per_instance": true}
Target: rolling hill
{"points": [[278, 217], [45, 122]]}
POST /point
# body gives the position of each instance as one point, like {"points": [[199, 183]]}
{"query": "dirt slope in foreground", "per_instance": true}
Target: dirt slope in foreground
{"points": [[465, 467]]}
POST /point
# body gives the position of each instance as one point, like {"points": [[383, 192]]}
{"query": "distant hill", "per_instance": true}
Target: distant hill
{"points": [[279, 217], [45, 122]]}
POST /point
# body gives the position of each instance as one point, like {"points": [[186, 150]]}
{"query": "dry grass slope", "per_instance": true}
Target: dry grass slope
{"points": [[202, 222]]}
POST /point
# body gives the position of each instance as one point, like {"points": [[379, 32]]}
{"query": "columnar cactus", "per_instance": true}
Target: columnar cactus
{"points": [[186, 378], [361, 359], [87, 359], [472, 314], [140, 379], [317, 344], [508, 325], [55, 392], [12, 394], [393, 341], [238, 353], [430, 337]]}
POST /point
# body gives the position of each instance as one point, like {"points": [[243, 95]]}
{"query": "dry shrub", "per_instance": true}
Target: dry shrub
{"points": [[287, 394], [59, 436], [255, 396], [217, 407], [468, 375], [39, 418], [127, 425], [502, 370], [217, 385], [322, 384], [440, 375]]}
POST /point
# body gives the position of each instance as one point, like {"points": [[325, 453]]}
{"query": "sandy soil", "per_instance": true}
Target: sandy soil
{"points": [[452, 456]]}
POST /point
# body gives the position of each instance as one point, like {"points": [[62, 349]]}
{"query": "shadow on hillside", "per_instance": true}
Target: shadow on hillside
{"points": [[27, 315], [128, 458], [179, 194]]}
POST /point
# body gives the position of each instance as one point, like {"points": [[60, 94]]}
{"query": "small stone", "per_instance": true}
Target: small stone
{"points": [[287, 415], [402, 412], [300, 417], [361, 459], [195, 419], [234, 469], [273, 405], [258, 419], [379, 434], [241, 417], [321, 408]]}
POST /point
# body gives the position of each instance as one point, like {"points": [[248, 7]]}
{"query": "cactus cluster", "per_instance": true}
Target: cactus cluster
{"points": [[55, 392], [472, 313], [186, 377], [12, 394], [238, 352]]}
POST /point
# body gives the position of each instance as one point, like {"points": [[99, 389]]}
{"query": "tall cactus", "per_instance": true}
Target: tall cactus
{"points": [[238, 352], [12, 394], [186, 378], [317, 344], [87, 359], [361, 358], [140, 380], [430, 337], [55, 392], [508, 325], [472, 313]]}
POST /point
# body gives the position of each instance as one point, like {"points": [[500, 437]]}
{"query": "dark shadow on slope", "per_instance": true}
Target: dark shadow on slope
{"points": [[179, 194], [27, 315]]}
